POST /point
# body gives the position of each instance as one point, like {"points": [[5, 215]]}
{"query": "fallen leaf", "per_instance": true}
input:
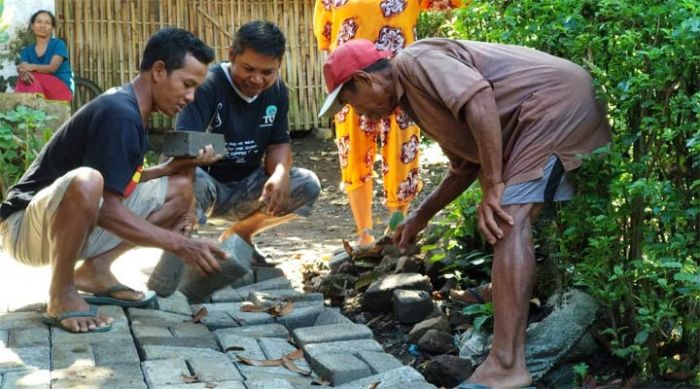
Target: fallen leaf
{"points": [[234, 348], [250, 307], [347, 247], [298, 354], [210, 385], [254, 362], [374, 385], [291, 366], [189, 379], [320, 382], [285, 309], [201, 314]]}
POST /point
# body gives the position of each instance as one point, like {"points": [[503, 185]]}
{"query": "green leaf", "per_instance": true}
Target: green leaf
{"points": [[395, 220], [641, 337]]}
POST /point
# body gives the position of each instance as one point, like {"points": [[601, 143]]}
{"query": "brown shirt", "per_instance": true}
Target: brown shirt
{"points": [[546, 104]]}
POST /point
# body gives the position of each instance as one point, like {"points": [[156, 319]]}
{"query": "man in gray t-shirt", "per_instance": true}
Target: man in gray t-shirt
{"points": [[515, 118]]}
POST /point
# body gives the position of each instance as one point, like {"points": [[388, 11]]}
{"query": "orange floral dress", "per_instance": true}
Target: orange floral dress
{"points": [[391, 24]]}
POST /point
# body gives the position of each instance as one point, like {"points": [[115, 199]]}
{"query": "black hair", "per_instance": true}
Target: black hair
{"points": [[170, 45], [378, 66], [32, 19], [260, 36]]}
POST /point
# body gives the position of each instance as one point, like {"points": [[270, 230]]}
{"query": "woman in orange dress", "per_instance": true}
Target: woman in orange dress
{"points": [[391, 24]]}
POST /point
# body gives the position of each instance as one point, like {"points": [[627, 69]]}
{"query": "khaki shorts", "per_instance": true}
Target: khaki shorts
{"points": [[25, 234]]}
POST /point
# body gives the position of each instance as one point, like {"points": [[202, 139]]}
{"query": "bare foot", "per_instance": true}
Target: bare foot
{"points": [[494, 375], [94, 277], [71, 302], [468, 296]]}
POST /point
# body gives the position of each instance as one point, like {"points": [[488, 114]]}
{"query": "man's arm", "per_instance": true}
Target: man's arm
{"points": [[482, 118], [207, 156], [278, 163]]}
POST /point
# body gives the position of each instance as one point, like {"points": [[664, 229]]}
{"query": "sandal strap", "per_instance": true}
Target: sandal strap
{"points": [[111, 290], [92, 312]]}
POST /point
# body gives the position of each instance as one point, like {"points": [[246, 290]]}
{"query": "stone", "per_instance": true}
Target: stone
{"points": [[437, 342], [400, 376], [408, 264], [331, 316], [339, 368], [378, 296], [175, 303], [165, 371], [411, 306], [418, 330], [447, 370], [338, 260], [330, 333], [379, 362]]}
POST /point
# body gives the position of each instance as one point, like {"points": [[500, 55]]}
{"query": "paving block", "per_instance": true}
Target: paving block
{"points": [[379, 362], [190, 330], [21, 320], [200, 342], [186, 143], [245, 280], [330, 333], [217, 307], [338, 260], [276, 348], [152, 331], [378, 296], [117, 376], [259, 331], [215, 369], [157, 318], [205, 385], [76, 355], [339, 368], [175, 303], [120, 330], [115, 352], [396, 377], [410, 385], [239, 345], [297, 381], [265, 298], [252, 318], [29, 337], [344, 346], [115, 312], [299, 317], [24, 358], [271, 284], [227, 295], [169, 352], [248, 371], [331, 316], [217, 320], [412, 306], [28, 379], [264, 273], [165, 371], [272, 383], [4, 338]]}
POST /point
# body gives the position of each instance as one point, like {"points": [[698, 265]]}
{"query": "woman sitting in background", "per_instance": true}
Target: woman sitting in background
{"points": [[44, 66]]}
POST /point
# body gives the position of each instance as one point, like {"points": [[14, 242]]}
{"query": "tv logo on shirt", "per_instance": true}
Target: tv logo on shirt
{"points": [[269, 117]]}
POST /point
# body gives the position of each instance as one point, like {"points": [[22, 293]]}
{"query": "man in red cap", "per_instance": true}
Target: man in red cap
{"points": [[515, 118]]}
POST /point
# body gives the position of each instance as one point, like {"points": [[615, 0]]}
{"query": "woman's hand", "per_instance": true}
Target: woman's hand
{"points": [[25, 67]]}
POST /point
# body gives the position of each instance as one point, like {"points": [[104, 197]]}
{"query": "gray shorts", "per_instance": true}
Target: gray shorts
{"points": [[555, 185], [234, 201], [25, 234]]}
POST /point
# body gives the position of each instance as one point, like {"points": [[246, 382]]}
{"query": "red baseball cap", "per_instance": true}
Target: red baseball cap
{"points": [[353, 55]]}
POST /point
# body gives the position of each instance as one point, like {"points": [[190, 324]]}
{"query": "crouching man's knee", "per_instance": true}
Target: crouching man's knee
{"points": [[305, 191]]}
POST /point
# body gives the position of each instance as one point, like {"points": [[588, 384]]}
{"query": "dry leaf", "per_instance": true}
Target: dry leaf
{"points": [[291, 366], [250, 307], [374, 385], [347, 247], [189, 379], [298, 354], [201, 314], [283, 310], [234, 348], [320, 382], [253, 362], [210, 385]]}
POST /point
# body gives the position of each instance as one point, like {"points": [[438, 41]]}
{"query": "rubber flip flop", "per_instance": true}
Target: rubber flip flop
{"points": [[105, 297], [56, 321], [470, 385]]}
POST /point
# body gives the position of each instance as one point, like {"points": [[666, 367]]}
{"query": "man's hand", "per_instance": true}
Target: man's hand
{"points": [[408, 230], [204, 255], [206, 156], [275, 194], [489, 210]]}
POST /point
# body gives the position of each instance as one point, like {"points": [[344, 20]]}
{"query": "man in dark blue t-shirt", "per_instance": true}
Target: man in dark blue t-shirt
{"points": [[87, 196], [254, 185]]}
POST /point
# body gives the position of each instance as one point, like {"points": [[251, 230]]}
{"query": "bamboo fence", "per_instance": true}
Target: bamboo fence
{"points": [[106, 38]]}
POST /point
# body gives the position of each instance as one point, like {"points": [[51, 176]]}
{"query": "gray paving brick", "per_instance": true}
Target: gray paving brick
{"points": [[245, 280], [228, 295], [247, 370], [165, 371], [300, 317], [271, 284], [169, 352], [264, 273], [115, 352], [115, 312], [239, 345], [330, 333], [331, 316], [190, 330], [30, 337], [273, 383], [216, 307], [215, 369], [4, 338], [276, 348], [117, 376], [120, 330], [64, 356], [175, 303], [143, 330], [344, 346], [297, 381], [339, 368], [252, 318], [24, 358], [203, 385], [29, 379], [259, 331], [410, 385], [20, 320], [199, 342], [217, 320], [379, 362], [391, 378], [156, 318]]}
